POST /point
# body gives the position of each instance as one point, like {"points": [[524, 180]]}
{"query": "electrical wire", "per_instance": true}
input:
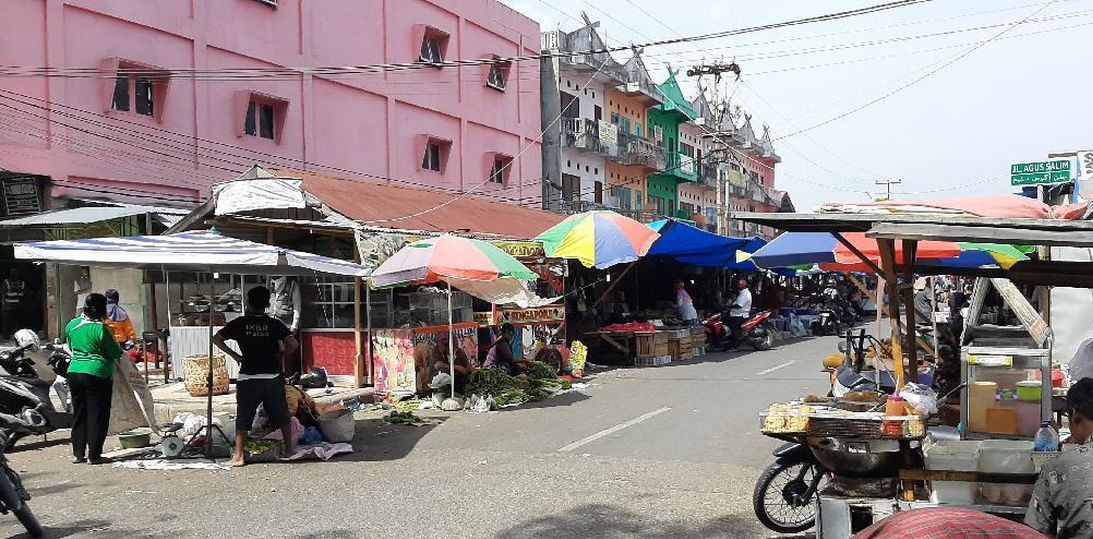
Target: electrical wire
{"points": [[917, 80], [294, 73]]}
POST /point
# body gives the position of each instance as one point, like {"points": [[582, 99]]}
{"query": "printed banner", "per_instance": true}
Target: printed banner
{"points": [[537, 315], [521, 249]]}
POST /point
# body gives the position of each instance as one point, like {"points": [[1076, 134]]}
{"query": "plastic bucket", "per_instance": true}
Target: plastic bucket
{"points": [[338, 426], [954, 456], [1029, 391]]}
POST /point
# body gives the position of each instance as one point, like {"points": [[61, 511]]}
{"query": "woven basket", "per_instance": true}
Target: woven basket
{"points": [[197, 376]]}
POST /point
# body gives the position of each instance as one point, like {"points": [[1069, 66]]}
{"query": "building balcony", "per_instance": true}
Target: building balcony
{"points": [[640, 151], [707, 176], [685, 167], [584, 134], [647, 92]]}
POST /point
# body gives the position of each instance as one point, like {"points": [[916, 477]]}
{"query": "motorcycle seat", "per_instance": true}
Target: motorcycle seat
{"points": [[35, 381]]}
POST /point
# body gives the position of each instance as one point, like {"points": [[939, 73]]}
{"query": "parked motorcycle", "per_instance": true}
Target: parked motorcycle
{"points": [[13, 496], [757, 333], [25, 404], [784, 499]]}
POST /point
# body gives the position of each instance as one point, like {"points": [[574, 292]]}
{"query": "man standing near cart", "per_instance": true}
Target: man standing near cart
{"points": [[264, 341], [1061, 501]]}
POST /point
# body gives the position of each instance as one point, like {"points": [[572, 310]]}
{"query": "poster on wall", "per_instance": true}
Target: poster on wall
{"points": [[393, 362]]}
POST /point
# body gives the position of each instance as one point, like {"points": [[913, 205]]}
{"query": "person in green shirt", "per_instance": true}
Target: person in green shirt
{"points": [[91, 379]]}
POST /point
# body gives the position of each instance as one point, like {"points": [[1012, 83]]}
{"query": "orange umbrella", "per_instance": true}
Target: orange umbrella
{"points": [[846, 260]]}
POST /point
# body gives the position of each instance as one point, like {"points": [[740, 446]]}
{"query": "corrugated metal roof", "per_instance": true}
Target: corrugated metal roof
{"points": [[87, 215], [387, 205]]}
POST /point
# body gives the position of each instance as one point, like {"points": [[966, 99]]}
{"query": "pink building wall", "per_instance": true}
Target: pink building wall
{"points": [[361, 125]]}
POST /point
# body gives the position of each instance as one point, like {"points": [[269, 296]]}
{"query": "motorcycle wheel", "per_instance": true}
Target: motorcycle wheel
{"points": [[777, 498], [764, 340], [15, 503]]}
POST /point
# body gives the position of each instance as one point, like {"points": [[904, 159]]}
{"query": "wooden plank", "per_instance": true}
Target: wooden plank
{"points": [[971, 477], [1037, 327], [888, 265], [982, 234], [910, 247]]}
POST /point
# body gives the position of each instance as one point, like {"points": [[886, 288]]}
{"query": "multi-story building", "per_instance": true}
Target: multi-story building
{"points": [[699, 201], [605, 150], [177, 99], [665, 120], [154, 102]]}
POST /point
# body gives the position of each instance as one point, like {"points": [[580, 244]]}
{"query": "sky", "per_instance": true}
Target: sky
{"points": [[945, 132]]}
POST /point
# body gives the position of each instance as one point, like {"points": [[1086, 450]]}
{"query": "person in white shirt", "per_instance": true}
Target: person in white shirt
{"points": [[685, 305], [739, 311]]}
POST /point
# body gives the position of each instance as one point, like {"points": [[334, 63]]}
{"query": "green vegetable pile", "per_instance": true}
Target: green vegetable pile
{"points": [[540, 382], [402, 418], [258, 447]]}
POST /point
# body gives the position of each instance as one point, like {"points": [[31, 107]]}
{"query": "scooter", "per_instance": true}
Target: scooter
{"points": [[757, 334], [25, 404], [13, 496]]}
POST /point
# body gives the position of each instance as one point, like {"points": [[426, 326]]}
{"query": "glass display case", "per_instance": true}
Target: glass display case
{"points": [[1007, 391]]}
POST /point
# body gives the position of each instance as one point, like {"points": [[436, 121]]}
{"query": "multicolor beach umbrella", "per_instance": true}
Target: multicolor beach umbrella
{"points": [[446, 258], [598, 239]]}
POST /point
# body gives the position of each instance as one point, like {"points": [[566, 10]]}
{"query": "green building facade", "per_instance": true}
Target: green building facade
{"points": [[664, 121]]}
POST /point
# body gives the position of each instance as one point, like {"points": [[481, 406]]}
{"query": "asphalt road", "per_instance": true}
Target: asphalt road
{"points": [[668, 451]]}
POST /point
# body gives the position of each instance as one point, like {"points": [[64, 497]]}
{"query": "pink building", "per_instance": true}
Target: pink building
{"points": [[154, 101]]}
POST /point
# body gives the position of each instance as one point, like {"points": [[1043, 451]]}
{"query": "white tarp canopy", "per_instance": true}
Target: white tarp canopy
{"points": [[204, 251]]}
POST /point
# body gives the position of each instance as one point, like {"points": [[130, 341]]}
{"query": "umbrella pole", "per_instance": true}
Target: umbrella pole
{"points": [[209, 378], [451, 341]]}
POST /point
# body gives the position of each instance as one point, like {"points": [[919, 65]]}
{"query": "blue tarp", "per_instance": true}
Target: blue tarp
{"points": [[690, 245]]}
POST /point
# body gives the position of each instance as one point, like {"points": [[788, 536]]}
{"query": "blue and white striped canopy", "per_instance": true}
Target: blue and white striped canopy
{"points": [[205, 251]]}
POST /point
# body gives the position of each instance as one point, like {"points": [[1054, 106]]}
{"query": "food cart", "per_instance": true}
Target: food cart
{"points": [[989, 466]]}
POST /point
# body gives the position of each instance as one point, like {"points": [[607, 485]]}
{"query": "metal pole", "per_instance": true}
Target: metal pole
{"points": [[451, 341], [368, 321], [209, 379]]}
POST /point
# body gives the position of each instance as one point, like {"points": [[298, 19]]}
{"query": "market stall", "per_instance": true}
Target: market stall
{"points": [[1007, 373]]}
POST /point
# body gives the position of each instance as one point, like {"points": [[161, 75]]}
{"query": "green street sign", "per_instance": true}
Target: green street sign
{"points": [[1040, 173]]}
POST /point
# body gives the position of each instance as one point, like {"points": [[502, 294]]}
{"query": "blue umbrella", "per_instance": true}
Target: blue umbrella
{"points": [[796, 249]]}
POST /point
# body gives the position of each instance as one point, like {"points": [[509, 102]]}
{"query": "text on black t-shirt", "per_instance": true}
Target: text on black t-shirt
{"points": [[259, 338]]}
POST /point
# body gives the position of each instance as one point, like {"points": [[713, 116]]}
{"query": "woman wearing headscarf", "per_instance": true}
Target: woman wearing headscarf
{"points": [[117, 319], [91, 379]]}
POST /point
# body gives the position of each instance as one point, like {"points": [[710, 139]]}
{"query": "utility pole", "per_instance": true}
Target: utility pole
{"points": [[717, 69], [888, 186]]}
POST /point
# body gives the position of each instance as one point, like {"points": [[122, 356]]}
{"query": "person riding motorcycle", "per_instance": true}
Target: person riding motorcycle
{"points": [[739, 312]]}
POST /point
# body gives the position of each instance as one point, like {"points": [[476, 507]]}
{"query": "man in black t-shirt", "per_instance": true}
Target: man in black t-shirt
{"points": [[264, 341]]}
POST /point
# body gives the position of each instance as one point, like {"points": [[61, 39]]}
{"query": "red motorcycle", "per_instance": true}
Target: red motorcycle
{"points": [[756, 332]]}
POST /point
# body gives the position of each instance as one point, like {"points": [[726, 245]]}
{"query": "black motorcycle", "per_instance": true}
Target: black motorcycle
{"points": [[784, 498], [25, 406], [13, 496]]}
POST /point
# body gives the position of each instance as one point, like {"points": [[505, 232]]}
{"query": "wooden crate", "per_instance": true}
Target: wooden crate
{"points": [[661, 349], [675, 349], [686, 354], [645, 344]]}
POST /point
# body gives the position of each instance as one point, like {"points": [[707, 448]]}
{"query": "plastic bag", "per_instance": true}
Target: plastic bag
{"points": [[478, 404], [920, 397], [441, 379]]}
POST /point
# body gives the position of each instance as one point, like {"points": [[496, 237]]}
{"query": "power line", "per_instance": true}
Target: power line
{"points": [[917, 80], [332, 71]]}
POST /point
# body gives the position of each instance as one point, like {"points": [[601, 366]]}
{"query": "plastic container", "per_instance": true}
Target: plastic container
{"points": [[1029, 391], [338, 426], [1002, 420], [953, 456], [980, 398], [894, 407], [1005, 456], [1028, 418]]}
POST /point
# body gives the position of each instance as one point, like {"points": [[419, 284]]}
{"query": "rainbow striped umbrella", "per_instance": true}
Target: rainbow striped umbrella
{"points": [[447, 258], [598, 239]]}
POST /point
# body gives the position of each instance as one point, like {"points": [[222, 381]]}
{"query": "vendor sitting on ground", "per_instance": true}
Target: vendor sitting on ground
{"points": [[1060, 504], [462, 366], [500, 355], [264, 341]]}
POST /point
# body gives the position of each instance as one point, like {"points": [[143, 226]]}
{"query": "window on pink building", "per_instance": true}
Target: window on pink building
{"points": [[498, 75], [136, 88], [436, 154], [261, 115], [501, 170], [434, 45]]}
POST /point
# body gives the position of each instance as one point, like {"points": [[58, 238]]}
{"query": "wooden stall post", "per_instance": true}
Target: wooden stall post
{"points": [[614, 284], [358, 363], [888, 269], [911, 367]]}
